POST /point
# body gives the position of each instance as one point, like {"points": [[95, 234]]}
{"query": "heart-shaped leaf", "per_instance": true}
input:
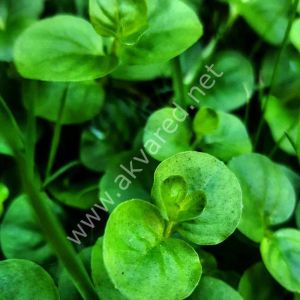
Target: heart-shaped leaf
{"points": [[268, 195], [141, 261], [206, 178], [22, 279], [62, 48], [281, 254]]}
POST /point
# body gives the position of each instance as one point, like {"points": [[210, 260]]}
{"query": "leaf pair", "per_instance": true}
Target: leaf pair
{"points": [[196, 196]]}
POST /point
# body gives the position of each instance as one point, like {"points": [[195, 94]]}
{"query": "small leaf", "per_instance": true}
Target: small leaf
{"points": [[281, 255], [62, 48], [205, 122], [22, 279], [83, 100], [206, 178], [120, 19], [214, 289], [256, 283], [167, 132], [229, 139], [177, 203], [22, 237], [138, 256], [268, 195], [172, 20], [102, 281]]}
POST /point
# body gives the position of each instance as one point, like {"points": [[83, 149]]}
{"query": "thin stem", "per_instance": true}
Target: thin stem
{"points": [[56, 134], [49, 224], [59, 172], [275, 70], [178, 82], [31, 134], [169, 229]]}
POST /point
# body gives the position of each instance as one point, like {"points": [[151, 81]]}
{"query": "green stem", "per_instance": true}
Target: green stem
{"points": [[169, 229], [49, 224], [275, 70], [55, 234], [178, 82], [56, 134], [59, 172]]}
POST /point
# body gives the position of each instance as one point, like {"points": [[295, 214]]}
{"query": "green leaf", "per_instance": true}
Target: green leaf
{"points": [[295, 34], [117, 186], [167, 132], [256, 283], [298, 140], [120, 19], [206, 176], [21, 235], [4, 194], [229, 139], [211, 288], [287, 80], [208, 261], [269, 19], [24, 280], [15, 16], [205, 122], [83, 100], [141, 262], [171, 20], [232, 83], [281, 255], [102, 281], [180, 205], [268, 195], [282, 118], [62, 48]]}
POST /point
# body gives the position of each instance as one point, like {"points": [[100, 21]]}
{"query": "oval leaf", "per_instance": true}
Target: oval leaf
{"points": [[62, 48], [268, 195]]}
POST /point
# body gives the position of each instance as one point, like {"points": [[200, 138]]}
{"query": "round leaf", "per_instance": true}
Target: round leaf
{"points": [[62, 48], [167, 132], [256, 283], [211, 288], [24, 280], [233, 83], [281, 255], [141, 262], [208, 176], [268, 195]]}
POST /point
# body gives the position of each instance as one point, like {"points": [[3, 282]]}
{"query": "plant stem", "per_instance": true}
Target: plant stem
{"points": [[178, 82], [275, 70], [169, 229], [59, 172], [48, 222], [55, 235], [56, 134]]}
